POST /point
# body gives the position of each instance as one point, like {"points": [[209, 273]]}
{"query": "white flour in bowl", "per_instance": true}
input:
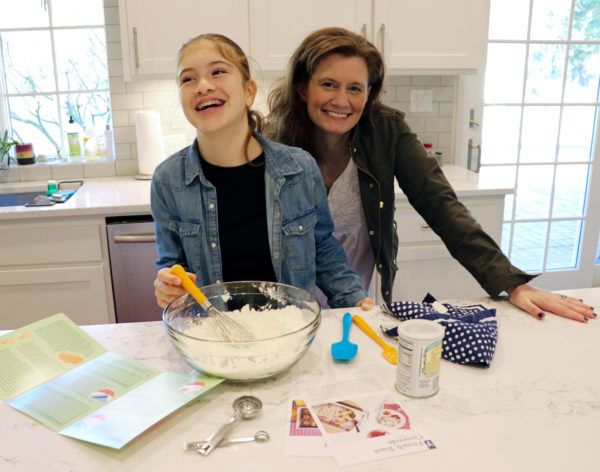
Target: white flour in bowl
{"points": [[262, 324], [269, 354]]}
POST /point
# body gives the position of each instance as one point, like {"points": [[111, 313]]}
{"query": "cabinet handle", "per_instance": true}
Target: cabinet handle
{"points": [[363, 30], [382, 38], [424, 225], [135, 48], [135, 238]]}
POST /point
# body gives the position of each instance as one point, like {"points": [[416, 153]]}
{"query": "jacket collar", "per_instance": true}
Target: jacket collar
{"points": [[277, 163]]}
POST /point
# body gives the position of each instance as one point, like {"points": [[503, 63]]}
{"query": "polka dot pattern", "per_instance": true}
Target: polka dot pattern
{"points": [[471, 332]]}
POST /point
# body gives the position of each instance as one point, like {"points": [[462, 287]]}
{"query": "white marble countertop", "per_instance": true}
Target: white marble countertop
{"points": [[120, 196], [537, 408]]}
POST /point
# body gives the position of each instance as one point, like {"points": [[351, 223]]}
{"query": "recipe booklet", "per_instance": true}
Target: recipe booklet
{"points": [[354, 419], [58, 375]]}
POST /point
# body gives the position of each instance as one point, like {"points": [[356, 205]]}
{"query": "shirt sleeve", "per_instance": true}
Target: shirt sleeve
{"points": [[432, 196]]}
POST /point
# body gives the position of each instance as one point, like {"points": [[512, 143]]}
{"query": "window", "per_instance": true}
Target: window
{"points": [[52, 66], [540, 126]]}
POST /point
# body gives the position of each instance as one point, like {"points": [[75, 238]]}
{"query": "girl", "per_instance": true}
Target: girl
{"points": [[233, 205], [329, 105]]}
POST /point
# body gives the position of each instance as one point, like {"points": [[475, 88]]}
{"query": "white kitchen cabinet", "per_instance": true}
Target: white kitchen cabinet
{"points": [[51, 266], [432, 36], [152, 31], [424, 263], [278, 26], [424, 37]]}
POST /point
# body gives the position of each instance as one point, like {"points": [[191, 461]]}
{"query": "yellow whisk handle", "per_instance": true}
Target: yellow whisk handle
{"points": [[188, 284]]}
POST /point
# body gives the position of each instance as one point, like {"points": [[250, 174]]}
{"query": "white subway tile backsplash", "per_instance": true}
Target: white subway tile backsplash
{"points": [[126, 167], [123, 151], [111, 14], [40, 171], [159, 99], [438, 125], [72, 170], [99, 169], [120, 118], [126, 101]]}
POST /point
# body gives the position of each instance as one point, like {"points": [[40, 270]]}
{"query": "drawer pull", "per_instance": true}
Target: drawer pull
{"points": [[424, 225]]}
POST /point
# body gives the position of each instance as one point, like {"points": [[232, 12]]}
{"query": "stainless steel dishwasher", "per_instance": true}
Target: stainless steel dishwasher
{"points": [[132, 249]]}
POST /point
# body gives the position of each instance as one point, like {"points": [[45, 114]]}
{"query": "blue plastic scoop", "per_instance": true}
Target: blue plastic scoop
{"points": [[344, 350]]}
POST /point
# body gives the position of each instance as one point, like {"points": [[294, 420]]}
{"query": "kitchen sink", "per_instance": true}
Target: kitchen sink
{"points": [[18, 199], [35, 195]]}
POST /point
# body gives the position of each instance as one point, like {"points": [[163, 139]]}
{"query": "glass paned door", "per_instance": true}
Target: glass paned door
{"points": [[540, 130]]}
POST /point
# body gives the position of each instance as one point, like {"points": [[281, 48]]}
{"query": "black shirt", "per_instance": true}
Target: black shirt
{"points": [[242, 217]]}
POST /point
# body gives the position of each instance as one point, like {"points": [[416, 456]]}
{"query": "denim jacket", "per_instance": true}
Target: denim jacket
{"points": [[303, 251]]}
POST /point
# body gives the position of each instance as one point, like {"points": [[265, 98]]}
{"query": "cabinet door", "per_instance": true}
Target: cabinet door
{"points": [[432, 36], [152, 31], [30, 294], [278, 26]]}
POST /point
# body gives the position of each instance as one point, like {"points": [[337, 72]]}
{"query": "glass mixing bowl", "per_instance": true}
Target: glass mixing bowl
{"points": [[283, 319]]}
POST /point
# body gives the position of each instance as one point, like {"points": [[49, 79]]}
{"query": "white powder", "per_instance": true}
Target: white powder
{"points": [[262, 358]]}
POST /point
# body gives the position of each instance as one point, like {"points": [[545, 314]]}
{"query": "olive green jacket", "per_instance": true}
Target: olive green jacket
{"points": [[385, 147]]}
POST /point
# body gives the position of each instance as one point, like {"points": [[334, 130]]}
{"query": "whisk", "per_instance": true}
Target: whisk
{"points": [[230, 329]]}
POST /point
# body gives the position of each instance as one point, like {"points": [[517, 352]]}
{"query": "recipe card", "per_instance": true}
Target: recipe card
{"points": [[359, 420], [58, 375]]}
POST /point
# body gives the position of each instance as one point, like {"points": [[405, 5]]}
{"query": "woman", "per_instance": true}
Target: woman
{"points": [[233, 205], [329, 104]]}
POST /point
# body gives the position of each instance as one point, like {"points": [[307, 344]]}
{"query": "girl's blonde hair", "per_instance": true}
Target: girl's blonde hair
{"points": [[288, 121], [230, 50]]}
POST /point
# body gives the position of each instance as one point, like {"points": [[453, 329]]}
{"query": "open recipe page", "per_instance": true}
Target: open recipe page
{"points": [[58, 375]]}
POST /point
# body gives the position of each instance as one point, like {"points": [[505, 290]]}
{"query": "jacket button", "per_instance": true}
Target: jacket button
{"points": [[371, 185], [381, 266], [371, 232], [300, 228], [380, 204], [211, 206], [387, 292], [276, 255], [213, 245]]}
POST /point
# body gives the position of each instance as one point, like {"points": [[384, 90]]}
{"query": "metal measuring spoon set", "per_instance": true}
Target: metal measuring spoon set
{"points": [[244, 408]]}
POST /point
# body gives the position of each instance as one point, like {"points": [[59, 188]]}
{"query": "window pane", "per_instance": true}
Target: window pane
{"points": [[497, 176], [81, 59], [22, 14], [87, 108], [550, 19], [28, 62], [576, 133], [586, 20], [570, 189], [504, 73], [34, 120], [545, 69], [529, 241], [582, 73], [563, 245], [539, 135], [500, 135], [533, 192], [508, 19], [77, 12]]}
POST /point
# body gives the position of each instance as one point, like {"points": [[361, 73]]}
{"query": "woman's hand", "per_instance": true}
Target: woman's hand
{"points": [[536, 302], [167, 287]]}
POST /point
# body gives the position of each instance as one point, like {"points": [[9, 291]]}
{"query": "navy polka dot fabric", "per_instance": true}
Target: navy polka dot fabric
{"points": [[471, 332]]}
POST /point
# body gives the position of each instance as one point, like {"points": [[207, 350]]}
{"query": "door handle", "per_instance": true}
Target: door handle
{"points": [[472, 164], [135, 48], [382, 39], [134, 238]]}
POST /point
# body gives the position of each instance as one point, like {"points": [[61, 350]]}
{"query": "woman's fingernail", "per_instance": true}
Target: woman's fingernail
{"points": [[541, 315], [595, 315]]}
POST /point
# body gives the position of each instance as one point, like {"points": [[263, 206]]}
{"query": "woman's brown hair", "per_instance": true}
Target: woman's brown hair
{"points": [[230, 50], [288, 121]]}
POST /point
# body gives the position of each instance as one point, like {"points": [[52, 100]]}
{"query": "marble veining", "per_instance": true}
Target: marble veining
{"points": [[537, 407]]}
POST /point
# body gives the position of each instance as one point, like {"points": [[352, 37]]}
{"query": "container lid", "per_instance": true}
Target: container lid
{"points": [[422, 330]]}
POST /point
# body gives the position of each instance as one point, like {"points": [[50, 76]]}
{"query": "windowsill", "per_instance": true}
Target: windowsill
{"points": [[63, 169]]}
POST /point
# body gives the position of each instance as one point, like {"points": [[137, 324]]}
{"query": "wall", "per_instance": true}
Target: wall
{"points": [[436, 127]]}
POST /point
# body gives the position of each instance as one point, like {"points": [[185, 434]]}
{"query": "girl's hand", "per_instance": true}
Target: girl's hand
{"points": [[536, 302], [366, 304], [167, 287]]}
